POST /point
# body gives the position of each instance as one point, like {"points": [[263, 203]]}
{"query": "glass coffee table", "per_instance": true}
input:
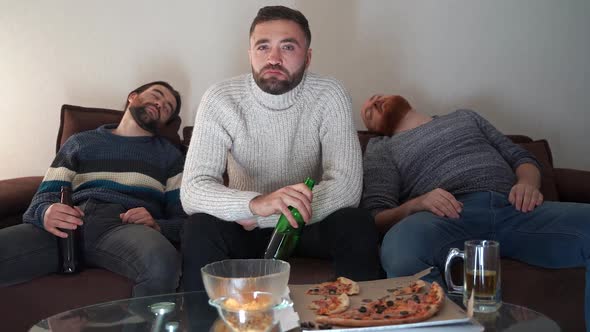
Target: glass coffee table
{"points": [[191, 312], [188, 311], [512, 317]]}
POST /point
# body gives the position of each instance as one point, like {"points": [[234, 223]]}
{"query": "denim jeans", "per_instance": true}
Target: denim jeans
{"points": [[553, 235], [137, 252]]}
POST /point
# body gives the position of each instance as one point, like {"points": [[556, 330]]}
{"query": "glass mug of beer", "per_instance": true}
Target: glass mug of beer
{"points": [[481, 274]]}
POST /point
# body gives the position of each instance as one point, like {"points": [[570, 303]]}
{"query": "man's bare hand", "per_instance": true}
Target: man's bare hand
{"points": [[298, 196], [525, 197], [59, 215], [248, 224], [440, 202], [139, 216]]}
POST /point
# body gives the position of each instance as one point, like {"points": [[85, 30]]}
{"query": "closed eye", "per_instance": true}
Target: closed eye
{"points": [[169, 107], [158, 96]]}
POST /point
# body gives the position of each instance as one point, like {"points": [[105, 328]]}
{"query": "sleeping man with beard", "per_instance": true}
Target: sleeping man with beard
{"points": [[125, 180], [433, 182]]}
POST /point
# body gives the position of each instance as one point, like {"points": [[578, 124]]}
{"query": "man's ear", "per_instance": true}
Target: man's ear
{"points": [[307, 58], [132, 96]]}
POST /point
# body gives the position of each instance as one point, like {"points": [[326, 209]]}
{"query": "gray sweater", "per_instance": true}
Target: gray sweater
{"points": [[268, 142], [460, 152]]}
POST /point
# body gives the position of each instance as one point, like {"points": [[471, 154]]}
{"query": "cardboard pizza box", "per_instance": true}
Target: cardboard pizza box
{"points": [[451, 316]]}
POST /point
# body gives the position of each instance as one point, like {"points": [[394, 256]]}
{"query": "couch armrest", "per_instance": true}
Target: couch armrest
{"points": [[16, 194], [573, 185]]}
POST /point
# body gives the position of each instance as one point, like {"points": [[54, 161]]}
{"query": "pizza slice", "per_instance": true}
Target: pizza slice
{"points": [[330, 304], [341, 285], [413, 288]]}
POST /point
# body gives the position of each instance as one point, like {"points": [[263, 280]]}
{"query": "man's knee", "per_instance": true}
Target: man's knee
{"points": [[356, 224], [26, 239], [200, 231], [398, 261], [161, 263], [406, 248], [198, 225], [26, 252]]}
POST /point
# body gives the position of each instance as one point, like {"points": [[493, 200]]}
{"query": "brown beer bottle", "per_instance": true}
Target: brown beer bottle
{"points": [[70, 248]]}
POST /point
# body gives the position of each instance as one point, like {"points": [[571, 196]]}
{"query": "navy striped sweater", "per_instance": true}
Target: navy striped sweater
{"points": [[132, 171]]}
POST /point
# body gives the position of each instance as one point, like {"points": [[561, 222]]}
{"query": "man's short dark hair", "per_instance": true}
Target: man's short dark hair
{"points": [[167, 86], [273, 13]]}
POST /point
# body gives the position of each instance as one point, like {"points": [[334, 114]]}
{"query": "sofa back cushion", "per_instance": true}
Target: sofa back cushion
{"points": [[75, 119]]}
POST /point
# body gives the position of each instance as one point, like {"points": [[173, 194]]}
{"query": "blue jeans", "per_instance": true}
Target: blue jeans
{"points": [[137, 252], [553, 235]]}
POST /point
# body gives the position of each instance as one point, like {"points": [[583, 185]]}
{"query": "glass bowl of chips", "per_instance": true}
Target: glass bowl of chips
{"points": [[250, 311], [232, 278]]}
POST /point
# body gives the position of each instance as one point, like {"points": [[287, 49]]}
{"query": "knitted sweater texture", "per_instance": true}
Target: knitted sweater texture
{"points": [[269, 141], [460, 152], [131, 171]]}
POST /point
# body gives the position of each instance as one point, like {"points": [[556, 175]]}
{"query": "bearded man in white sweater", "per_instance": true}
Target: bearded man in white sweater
{"points": [[270, 130]]}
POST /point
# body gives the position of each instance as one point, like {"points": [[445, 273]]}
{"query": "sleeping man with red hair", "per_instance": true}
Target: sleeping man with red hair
{"points": [[433, 182]]}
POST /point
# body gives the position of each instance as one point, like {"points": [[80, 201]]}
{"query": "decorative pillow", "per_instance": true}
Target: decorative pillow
{"points": [[75, 119]]}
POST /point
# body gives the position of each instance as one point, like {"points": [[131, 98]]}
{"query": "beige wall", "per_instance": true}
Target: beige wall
{"points": [[525, 65]]}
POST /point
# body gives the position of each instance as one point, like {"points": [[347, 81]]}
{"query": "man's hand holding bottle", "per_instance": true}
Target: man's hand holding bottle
{"points": [[298, 196], [62, 216]]}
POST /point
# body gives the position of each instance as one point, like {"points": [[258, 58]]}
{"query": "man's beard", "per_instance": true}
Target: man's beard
{"points": [[276, 86], [143, 119]]}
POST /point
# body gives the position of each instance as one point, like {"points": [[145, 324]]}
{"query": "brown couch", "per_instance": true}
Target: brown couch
{"points": [[556, 293]]}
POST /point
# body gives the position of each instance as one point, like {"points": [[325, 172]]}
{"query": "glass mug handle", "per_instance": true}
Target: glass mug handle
{"points": [[454, 252]]}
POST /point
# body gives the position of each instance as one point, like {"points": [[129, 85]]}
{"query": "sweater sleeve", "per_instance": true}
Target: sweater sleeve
{"points": [[342, 177], [171, 226], [202, 189], [60, 173], [381, 179], [514, 154]]}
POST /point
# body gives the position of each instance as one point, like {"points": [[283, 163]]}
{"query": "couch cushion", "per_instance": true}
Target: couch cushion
{"points": [[557, 293], [16, 194], [75, 119]]}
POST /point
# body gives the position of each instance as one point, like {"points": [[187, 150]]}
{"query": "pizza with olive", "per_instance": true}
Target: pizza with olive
{"points": [[403, 306], [341, 285]]}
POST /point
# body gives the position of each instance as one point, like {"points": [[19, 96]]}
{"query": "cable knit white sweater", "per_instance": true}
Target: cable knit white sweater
{"points": [[271, 141]]}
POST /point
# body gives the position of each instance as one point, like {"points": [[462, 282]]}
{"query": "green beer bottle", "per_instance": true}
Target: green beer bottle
{"points": [[284, 239]]}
